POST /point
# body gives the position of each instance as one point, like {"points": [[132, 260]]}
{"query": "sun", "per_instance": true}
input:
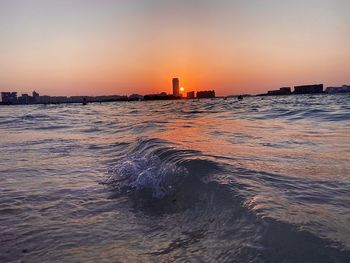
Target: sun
{"points": [[182, 89]]}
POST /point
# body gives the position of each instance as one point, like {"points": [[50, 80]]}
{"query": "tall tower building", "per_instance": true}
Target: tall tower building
{"points": [[176, 87]]}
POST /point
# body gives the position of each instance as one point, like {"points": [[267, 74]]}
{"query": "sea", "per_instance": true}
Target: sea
{"points": [[264, 179]]}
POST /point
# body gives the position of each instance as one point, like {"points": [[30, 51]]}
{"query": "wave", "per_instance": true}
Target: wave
{"points": [[161, 178], [158, 169]]}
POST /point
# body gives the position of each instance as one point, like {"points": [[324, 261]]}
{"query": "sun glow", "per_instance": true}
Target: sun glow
{"points": [[182, 89]]}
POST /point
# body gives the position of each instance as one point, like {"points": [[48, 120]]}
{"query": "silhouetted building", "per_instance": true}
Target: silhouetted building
{"points": [[281, 91], [24, 99], [60, 99], [206, 94], [308, 89], [9, 97], [36, 97], [190, 95], [44, 99], [176, 87], [286, 90], [342, 89]]}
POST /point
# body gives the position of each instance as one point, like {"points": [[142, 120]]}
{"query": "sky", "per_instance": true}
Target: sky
{"points": [[105, 47]]}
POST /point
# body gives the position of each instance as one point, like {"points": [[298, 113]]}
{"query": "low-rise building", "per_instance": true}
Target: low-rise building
{"points": [[190, 95], [342, 89], [24, 99], [9, 97], [281, 91], [308, 89], [206, 94], [44, 99]]}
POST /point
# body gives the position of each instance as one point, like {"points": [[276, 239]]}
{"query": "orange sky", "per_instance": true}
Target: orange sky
{"points": [[122, 47]]}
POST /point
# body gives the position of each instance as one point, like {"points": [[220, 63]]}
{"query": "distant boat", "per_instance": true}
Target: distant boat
{"points": [[240, 97]]}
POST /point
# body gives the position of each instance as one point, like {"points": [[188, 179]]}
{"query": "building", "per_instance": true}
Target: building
{"points": [[60, 99], [342, 89], [44, 99], [281, 91], [206, 94], [9, 97], [176, 87], [24, 99], [190, 95], [36, 97], [286, 90], [308, 89]]}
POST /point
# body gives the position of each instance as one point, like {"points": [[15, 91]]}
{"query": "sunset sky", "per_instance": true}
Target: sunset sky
{"points": [[96, 47]]}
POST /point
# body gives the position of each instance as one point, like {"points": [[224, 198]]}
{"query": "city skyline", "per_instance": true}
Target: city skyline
{"points": [[178, 91], [124, 47], [12, 98]]}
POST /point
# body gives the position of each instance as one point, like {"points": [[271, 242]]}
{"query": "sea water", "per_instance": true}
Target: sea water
{"points": [[266, 179]]}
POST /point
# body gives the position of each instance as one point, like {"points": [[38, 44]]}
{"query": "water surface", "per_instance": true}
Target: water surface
{"points": [[266, 179]]}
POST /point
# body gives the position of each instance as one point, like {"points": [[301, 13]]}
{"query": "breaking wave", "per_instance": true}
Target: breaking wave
{"points": [[158, 169], [160, 178]]}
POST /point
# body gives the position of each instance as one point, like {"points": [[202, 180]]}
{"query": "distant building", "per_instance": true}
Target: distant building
{"points": [[190, 95], [36, 97], [60, 99], [281, 91], [286, 90], [342, 89], [308, 89], [24, 99], [176, 87], [9, 97], [44, 99], [206, 94]]}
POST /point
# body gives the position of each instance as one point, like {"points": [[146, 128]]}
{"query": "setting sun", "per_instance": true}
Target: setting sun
{"points": [[182, 89]]}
